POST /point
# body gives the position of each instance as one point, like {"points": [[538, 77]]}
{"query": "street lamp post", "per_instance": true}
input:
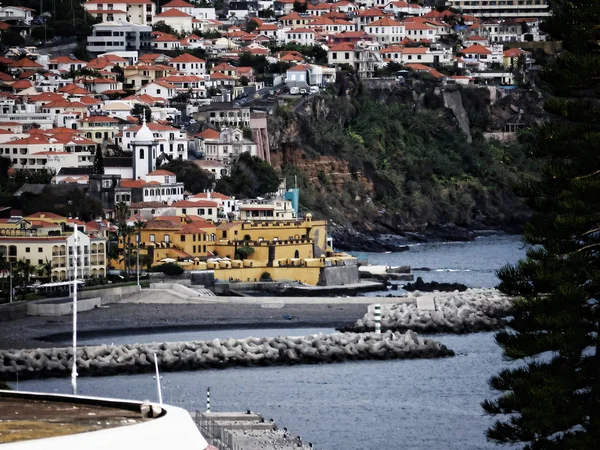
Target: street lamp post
{"points": [[10, 277], [137, 264], [74, 368]]}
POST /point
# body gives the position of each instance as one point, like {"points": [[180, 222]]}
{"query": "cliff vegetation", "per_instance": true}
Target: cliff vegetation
{"points": [[398, 160]]}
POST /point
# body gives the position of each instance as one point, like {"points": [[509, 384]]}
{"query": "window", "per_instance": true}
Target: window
{"points": [[27, 249], [40, 261], [152, 238], [40, 249], [194, 237], [141, 153], [182, 238], [167, 238], [224, 234], [194, 251]]}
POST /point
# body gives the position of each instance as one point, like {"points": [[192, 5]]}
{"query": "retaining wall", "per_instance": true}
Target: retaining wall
{"points": [[136, 358], [110, 295], [53, 308]]}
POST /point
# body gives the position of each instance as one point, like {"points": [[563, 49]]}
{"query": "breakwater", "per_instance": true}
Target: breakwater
{"points": [[197, 355], [456, 312]]}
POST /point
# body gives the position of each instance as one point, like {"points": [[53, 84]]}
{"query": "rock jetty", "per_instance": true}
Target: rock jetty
{"points": [[197, 355], [456, 312]]}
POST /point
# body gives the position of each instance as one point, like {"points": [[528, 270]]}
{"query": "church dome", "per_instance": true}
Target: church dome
{"points": [[144, 134]]}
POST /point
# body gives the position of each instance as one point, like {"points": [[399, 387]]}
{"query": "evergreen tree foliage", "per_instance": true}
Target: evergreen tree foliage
{"points": [[551, 399], [194, 178], [250, 177], [98, 166]]}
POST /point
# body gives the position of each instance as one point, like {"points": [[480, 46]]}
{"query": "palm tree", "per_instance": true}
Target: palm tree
{"points": [[138, 225], [24, 270], [44, 270], [123, 230], [121, 212], [4, 269]]}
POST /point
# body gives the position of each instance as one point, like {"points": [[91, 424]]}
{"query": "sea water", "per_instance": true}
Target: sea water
{"points": [[426, 404]]}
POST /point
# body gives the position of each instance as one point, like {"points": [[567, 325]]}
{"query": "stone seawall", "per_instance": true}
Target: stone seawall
{"points": [[197, 355], [455, 312]]}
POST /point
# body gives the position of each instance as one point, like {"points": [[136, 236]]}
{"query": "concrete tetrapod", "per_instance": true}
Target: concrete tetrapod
{"points": [[455, 312], [136, 358]]}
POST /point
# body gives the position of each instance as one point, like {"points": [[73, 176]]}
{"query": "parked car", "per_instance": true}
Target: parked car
{"points": [[294, 90], [303, 91], [314, 89]]}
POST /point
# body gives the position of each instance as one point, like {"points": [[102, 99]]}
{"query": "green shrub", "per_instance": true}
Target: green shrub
{"points": [[266, 276], [171, 269]]}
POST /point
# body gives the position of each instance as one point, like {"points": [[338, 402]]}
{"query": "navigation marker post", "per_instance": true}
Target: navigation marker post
{"points": [[208, 400], [377, 319]]}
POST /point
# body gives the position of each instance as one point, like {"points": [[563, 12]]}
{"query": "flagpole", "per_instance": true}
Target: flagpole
{"points": [[74, 368]]}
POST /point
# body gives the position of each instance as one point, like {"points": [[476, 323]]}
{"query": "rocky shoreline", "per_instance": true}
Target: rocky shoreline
{"points": [[197, 355], [350, 238]]}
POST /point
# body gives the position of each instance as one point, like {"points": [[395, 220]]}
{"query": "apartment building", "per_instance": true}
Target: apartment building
{"points": [[502, 8], [36, 245], [224, 115], [119, 36], [39, 151], [228, 147], [139, 12]]}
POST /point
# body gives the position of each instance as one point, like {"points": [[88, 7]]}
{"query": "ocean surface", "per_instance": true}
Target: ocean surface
{"points": [[472, 263], [383, 405]]}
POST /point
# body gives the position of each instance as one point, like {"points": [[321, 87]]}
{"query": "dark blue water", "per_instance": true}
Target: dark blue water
{"points": [[383, 405], [472, 263]]}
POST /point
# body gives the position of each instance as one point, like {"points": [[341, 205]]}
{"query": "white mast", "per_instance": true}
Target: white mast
{"points": [[74, 368]]}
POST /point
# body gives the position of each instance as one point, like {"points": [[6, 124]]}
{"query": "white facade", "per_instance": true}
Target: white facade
{"points": [[158, 89], [188, 64], [168, 140], [228, 147], [386, 31], [509, 8], [301, 36], [118, 36], [139, 11]]}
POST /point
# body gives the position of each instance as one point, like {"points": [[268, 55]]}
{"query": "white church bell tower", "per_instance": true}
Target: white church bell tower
{"points": [[144, 151]]}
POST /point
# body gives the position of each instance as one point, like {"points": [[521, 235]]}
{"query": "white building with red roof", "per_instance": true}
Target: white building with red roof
{"points": [[192, 10], [404, 8], [137, 11], [65, 63], [169, 140], [49, 150], [160, 89], [226, 145], [176, 19], [164, 41], [420, 55], [386, 30], [300, 36]]}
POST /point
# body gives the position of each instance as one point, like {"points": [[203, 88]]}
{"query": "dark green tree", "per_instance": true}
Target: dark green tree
{"points": [[139, 109], [551, 400], [194, 178], [300, 7], [250, 177], [164, 28], [98, 166]]}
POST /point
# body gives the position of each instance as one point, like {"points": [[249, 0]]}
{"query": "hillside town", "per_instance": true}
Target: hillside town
{"points": [[156, 84]]}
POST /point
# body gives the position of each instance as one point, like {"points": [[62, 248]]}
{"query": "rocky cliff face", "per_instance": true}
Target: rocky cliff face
{"points": [[392, 174]]}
